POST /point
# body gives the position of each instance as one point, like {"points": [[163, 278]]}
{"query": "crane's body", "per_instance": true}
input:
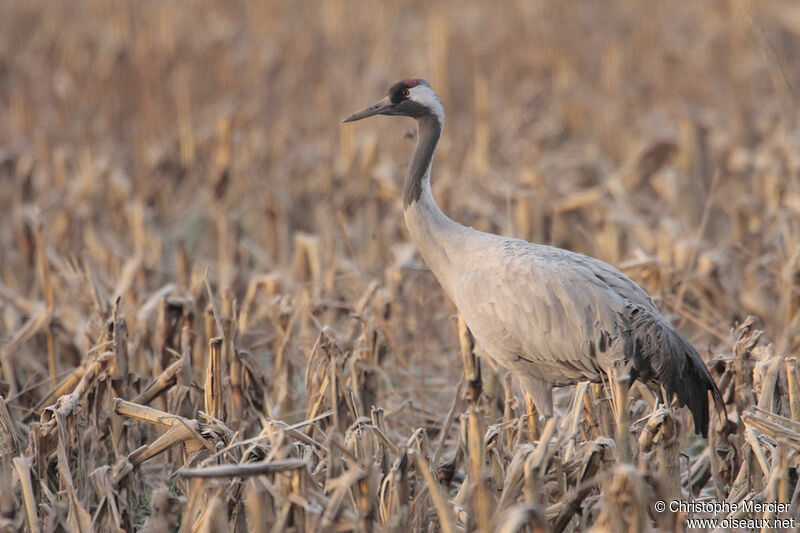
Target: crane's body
{"points": [[550, 316]]}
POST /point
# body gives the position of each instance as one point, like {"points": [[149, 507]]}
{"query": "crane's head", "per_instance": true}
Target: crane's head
{"points": [[409, 98]]}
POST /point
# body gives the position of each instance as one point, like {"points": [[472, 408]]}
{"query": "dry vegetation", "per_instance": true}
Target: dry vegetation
{"points": [[210, 314]]}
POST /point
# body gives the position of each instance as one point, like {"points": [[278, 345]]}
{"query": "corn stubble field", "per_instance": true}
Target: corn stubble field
{"points": [[213, 319]]}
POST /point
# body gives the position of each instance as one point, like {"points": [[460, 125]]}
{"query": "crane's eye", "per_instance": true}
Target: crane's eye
{"points": [[406, 93]]}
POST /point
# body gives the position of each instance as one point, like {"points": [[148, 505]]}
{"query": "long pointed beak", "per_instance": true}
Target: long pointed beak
{"points": [[374, 109]]}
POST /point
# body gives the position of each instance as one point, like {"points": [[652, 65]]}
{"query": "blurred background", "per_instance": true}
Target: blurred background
{"points": [[660, 136], [146, 143]]}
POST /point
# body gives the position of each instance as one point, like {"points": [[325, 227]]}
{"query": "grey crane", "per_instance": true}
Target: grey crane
{"points": [[550, 316]]}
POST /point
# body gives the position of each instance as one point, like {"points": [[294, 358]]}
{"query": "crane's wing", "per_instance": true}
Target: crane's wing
{"points": [[543, 309], [560, 317]]}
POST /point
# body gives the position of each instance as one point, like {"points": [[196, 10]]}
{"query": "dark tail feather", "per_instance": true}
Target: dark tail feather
{"points": [[662, 355], [693, 392]]}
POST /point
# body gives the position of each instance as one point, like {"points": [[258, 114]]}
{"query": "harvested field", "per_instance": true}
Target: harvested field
{"points": [[212, 317]]}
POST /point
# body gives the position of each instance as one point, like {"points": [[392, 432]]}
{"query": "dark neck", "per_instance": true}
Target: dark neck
{"points": [[428, 131]]}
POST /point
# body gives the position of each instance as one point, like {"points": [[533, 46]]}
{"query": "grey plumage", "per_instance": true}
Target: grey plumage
{"points": [[550, 316]]}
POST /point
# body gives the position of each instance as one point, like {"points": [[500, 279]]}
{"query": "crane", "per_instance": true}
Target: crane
{"points": [[550, 316]]}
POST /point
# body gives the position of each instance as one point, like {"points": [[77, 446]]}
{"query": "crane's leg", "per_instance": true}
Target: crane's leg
{"points": [[541, 392]]}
